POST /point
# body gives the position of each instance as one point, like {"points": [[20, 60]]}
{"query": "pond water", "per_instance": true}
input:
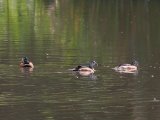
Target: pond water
{"points": [[57, 35]]}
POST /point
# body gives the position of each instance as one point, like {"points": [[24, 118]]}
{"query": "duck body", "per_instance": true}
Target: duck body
{"points": [[26, 63], [86, 69], [127, 68], [30, 64]]}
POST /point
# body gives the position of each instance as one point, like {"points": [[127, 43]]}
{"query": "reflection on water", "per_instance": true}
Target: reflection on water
{"points": [[26, 69], [81, 74], [59, 34]]}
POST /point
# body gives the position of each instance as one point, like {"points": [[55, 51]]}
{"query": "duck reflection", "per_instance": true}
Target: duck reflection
{"points": [[26, 69], [84, 74]]}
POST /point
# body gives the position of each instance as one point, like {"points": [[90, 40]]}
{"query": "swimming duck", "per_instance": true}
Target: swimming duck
{"points": [[26, 63], [127, 68], [86, 68]]}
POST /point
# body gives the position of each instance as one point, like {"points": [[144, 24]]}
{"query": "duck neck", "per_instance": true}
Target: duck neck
{"points": [[91, 66]]}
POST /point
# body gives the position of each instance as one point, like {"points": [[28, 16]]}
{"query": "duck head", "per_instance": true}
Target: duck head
{"points": [[25, 60], [92, 64], [135, 63]]}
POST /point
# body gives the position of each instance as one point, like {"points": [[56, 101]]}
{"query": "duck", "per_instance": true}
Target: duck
{"points": [[26, 63], [86, 69], [127, 68]]}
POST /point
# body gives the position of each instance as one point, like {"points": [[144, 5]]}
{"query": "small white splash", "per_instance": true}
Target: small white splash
{"points": [[152, 76], [155, 100], [58, 72], [107, 66]]}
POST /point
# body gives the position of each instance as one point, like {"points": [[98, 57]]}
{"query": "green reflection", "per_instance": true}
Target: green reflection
{"points": [[87, 27]]}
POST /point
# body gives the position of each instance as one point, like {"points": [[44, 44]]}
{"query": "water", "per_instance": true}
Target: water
{"points": [[57, 35]]}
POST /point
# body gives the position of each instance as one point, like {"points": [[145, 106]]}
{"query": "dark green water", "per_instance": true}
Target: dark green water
{"points": [[60, 34]]}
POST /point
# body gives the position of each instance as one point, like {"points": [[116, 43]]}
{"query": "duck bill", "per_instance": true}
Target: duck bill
{"points": [[96, 64]]}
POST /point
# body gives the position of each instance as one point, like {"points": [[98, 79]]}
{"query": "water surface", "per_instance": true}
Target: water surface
{"points": [[57, 35]]}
